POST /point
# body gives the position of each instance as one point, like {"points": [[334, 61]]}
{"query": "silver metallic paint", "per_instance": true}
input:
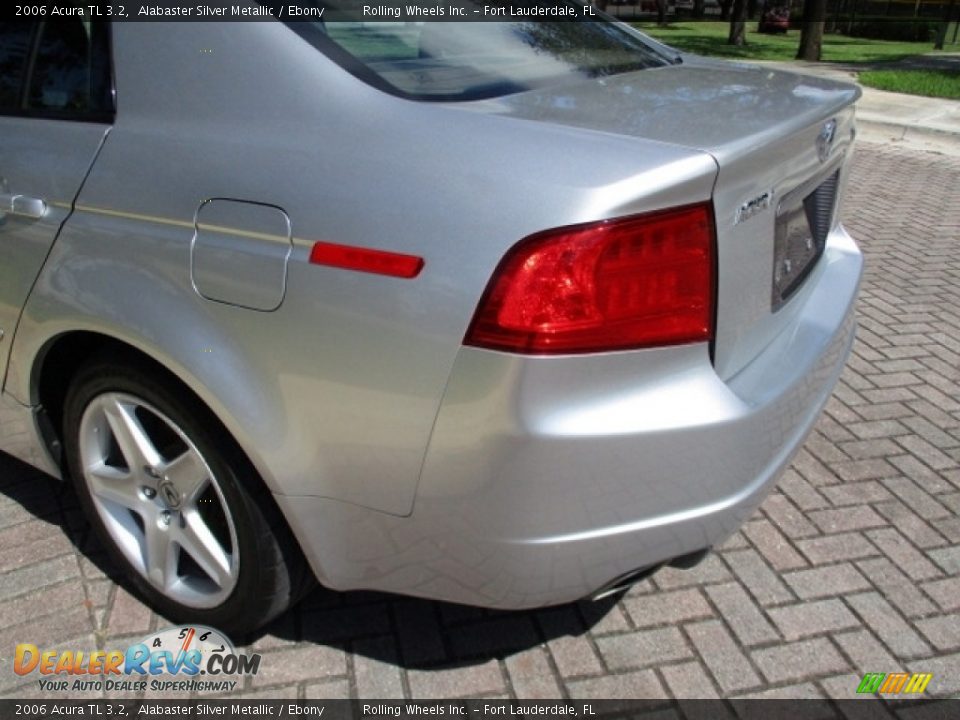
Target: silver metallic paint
{"points": [[402, 460], [761, 127], [239, 253], [44, 160], [591, 467], [378, 350]]}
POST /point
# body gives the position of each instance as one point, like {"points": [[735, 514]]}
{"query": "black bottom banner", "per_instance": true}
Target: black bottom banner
{"points": [[871, 707]]}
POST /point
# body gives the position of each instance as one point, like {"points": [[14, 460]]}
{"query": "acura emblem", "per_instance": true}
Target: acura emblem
{"points": [[825, 139], [170, 495]]}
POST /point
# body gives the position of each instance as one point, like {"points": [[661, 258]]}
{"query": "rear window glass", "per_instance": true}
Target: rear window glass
{"points": [[475, 60]]}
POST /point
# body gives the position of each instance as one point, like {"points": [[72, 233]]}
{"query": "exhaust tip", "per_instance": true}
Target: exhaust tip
{"points": [[625, 581]]}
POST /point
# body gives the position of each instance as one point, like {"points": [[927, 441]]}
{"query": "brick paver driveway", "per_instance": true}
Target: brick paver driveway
{"points": [[852, 566]]}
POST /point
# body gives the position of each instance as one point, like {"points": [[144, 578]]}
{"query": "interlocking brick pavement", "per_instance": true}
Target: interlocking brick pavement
{"points": [[851, 566]]}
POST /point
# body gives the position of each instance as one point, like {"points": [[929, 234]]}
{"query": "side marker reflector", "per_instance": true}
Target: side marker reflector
{"points": [[379, 262]]}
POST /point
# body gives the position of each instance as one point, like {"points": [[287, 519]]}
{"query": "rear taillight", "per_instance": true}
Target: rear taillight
{"points": [[641, 281]]}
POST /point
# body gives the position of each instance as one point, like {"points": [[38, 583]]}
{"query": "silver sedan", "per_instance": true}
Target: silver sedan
{"points": [[501, 313]]}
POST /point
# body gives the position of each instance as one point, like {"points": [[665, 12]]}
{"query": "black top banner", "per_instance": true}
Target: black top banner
{"points": [[320, 11], [331, 11]]}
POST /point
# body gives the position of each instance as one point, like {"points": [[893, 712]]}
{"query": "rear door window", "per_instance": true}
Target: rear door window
{"points": [[15, 40], [56, 69], [71, 70]]}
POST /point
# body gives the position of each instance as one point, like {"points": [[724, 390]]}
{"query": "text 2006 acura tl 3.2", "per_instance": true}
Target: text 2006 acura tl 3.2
{"points": [[497, 313]]}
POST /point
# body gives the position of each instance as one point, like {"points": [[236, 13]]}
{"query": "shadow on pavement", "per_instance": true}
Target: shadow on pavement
{"points": [[408, 632], [55, 503], [422, 634]]}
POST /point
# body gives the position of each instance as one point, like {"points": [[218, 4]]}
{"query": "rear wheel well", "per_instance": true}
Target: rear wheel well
{"points": [[67, 354], [64, 358], [58, 365]]}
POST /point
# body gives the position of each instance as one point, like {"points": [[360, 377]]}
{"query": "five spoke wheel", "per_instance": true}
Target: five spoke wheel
{"points": [[159, 500], [176, 502]]}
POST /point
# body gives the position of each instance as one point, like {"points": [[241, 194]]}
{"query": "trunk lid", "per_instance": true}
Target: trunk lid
{"points": [[762, 128]]}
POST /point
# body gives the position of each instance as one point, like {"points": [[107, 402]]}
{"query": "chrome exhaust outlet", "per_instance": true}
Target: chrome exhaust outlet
{"points": [[623, 582]]}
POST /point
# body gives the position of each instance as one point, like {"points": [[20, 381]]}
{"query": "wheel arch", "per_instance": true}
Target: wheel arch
{"points": [[63, 355], [60, 366]]}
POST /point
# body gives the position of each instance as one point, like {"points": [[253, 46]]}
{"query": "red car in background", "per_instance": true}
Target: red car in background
{"points": [[775, 19]]}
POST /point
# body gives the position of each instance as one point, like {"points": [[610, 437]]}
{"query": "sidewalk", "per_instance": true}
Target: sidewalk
{"points": [[922, 122]]}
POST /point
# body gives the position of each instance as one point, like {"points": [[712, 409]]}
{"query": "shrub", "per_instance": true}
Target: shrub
{"points": [[884, 28]]}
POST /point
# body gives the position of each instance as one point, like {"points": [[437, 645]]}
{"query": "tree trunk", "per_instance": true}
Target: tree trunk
{"points": [[833, 26], [738, 25], [853, 16], [725, 9], [942, 34], [698, 9], [811, 36], [661, 12]]}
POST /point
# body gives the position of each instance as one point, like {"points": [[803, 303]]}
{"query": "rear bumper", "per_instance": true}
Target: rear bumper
{"points": [[546, 478]]}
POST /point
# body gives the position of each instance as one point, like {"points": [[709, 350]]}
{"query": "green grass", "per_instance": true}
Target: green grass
{"points": [[932, 83], [710, 38]]}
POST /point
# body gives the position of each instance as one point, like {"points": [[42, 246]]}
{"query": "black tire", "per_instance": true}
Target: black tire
{"points": [[269, 572]]}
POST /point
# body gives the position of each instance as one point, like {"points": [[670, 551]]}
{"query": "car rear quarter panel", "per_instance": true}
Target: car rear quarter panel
{"points": [[334, 394], [592, 467]]}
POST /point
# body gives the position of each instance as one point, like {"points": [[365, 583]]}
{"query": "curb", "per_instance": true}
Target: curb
{"points": [[922, 138], [876, 126]]}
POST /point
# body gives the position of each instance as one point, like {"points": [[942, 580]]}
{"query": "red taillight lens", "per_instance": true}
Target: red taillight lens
{"points": [[635, 282]]}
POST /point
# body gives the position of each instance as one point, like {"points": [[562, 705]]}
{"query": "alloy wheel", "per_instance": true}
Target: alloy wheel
{"points": [[159, 500]]}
